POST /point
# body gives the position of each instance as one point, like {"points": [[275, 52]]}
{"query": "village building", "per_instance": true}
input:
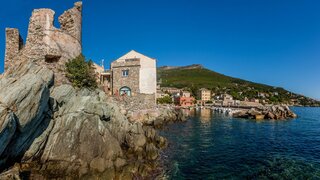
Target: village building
{"points": [[161, 94], [170, 90], [184, 100], [227, 100], [134, 74], [103, 77], [254, 100], [204, 94]]}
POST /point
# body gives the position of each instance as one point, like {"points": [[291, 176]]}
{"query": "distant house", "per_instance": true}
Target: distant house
{"points": [[227, 100], [227, 97], [254, 100], [204, 94], [184, 100], [185, 93], [161, 94], [261, 95], [170, 90]]}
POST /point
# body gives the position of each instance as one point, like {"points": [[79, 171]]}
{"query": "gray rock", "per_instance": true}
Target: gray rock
{"points": [[26, 98], [67, 132], [7, 127]]}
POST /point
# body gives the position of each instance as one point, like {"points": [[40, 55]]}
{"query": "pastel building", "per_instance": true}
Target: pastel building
{"points": [[204, 94], [184, 100]]}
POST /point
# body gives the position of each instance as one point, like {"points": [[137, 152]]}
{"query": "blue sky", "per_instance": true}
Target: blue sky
{"points": [[276, 42]]}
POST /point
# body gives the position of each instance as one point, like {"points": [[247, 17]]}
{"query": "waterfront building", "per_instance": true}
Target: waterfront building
{"points": [[184, 99], [132, 75], [204, 94]]}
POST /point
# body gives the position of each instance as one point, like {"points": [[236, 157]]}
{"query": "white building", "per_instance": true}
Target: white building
{"points": [[134, 74]]}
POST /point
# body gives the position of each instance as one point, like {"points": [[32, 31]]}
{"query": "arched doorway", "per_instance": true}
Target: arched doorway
{"points": [[125, 91]]}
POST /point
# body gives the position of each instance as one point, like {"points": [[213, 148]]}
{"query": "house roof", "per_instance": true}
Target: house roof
{"points": [[134, 54]]}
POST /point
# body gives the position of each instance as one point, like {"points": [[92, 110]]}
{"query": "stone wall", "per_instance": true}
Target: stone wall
{"points": [[49, 46], [138, 102], [71, 21], [14, 43], [131, 81]]}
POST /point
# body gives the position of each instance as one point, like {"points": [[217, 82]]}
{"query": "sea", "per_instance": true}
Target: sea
{"points": [[215, 146]]}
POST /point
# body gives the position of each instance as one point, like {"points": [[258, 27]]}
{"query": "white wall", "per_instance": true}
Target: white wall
{"points": [[148, 76]]}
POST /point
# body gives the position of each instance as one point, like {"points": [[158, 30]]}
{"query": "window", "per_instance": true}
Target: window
{"points": [[125, 73]]}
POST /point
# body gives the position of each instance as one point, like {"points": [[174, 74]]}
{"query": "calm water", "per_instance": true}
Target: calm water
{"points": [[212, 146]]}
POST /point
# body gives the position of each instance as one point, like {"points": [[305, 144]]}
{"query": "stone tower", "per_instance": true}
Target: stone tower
{"points": [[47, 45], [14, 44]]}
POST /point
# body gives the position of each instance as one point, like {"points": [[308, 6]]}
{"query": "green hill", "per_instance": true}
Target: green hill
{"points": [[194, 77]]}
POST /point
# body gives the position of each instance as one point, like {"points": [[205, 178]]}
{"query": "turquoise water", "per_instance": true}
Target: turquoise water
{"points": [[213, 146]]}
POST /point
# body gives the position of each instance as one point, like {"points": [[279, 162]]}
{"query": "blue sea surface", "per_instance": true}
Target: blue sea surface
{"points": [[214, 146]]}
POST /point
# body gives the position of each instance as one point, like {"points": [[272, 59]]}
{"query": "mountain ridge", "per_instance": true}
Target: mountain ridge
{"points": [[196, 76]]}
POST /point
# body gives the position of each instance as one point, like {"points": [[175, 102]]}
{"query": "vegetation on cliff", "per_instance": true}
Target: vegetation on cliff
{"points": [[165, 100], [81, 72], [195, 77]]}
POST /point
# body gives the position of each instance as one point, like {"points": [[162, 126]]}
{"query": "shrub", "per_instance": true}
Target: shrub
{"points": [[165, 100], [81, 73]]}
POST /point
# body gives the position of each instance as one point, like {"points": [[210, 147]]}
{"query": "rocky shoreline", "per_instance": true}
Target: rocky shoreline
{"points": [[266, 112], [60, 132], [49, 131]]}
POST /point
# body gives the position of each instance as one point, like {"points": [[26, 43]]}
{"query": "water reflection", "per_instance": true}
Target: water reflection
{"points": [[205, 115], [210, 145]]}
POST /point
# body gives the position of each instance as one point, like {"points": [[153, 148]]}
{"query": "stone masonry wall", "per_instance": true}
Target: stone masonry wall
{"points": [[138, 102], [49, 46], [71, 21], [131, 81], [14, 43]]}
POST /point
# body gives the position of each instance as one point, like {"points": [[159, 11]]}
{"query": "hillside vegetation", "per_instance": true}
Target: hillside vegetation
{"points": [[194, 77]]}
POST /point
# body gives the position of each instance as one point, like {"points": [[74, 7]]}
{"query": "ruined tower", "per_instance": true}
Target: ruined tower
{"points": [[47, 45], [14, 44]]}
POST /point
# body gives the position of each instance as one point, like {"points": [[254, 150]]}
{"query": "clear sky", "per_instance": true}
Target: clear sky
{"points": [[276, 42]]}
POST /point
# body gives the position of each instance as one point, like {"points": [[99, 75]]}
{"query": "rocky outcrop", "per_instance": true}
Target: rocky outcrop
{"points": [[267, 112], [24, 110], [58, 131]]}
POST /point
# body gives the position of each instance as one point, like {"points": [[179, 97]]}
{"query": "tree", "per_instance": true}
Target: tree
{"points": [[165, 100], [81, 73]]}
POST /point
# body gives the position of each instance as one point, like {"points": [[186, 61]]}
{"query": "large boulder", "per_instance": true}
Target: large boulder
{"points": [[24, 107]]}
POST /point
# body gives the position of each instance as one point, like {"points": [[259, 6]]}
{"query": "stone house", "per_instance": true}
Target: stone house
{"points": [[134, 74]]}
